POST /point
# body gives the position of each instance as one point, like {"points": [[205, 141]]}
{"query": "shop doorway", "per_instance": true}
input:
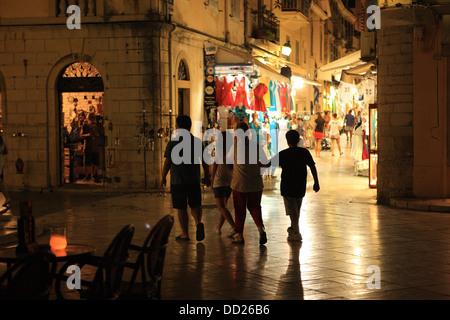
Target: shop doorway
{"points": [[183, 102], [82, 140], [183, 85]]}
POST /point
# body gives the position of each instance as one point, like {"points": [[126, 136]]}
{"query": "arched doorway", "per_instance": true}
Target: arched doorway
{"points": [[81, 124]]}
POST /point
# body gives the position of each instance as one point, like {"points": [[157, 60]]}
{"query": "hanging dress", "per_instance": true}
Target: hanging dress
{"points": [[258, 103], [241, 92], [283, 92], [290, 99], [266, 97], [273, 96], [219, 88], [284, 128], [227, 93]]}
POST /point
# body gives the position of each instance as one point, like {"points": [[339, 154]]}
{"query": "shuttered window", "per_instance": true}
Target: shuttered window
{"points": [[235, 9]]}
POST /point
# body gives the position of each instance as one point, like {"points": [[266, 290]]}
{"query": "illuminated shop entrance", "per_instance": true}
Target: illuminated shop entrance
{"points": [[82, 134]]}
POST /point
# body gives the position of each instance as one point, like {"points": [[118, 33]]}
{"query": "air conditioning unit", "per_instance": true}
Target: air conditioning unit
{"points": [[368, 46]]}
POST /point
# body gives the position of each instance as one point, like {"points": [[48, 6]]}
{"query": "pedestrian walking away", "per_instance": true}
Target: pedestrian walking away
{"points": [[247, 186], [221, 175], [349, 124], [319, 128], [293, 162], [185, 178], [335, 128]]}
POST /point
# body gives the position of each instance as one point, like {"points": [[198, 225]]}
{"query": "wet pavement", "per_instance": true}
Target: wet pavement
{"points": [[346, 236]]}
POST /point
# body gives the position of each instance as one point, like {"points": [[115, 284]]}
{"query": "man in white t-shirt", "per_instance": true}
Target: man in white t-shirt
{"points": [[335, 128]]}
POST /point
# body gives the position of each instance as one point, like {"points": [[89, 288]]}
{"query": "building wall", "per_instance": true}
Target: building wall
{"points": [[431, 114], [412, 107], [131, 58], [395, 112]]}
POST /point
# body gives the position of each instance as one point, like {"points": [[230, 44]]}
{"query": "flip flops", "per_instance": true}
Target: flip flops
{"points": [[200, 234], [179, 238]]}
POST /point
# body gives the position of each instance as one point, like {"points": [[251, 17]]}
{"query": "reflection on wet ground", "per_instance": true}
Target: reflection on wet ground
{"points": [[344, 235]]}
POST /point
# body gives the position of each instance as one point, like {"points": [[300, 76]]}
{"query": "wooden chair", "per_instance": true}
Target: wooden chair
{"points": [[109, 270], [150, 262], [29, 279]]}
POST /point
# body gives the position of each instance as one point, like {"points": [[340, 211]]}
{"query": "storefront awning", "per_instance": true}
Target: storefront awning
{"points": [[227, 56], [335, 68], [357, 73]]}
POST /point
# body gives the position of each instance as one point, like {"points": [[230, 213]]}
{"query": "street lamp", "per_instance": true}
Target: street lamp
{"points": [[286, 49]]}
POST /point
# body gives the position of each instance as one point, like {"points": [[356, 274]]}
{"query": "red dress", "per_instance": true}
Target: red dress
{"points": [[227, 94], [283, 98], [241, 93], [219, 89], [258, 103]]}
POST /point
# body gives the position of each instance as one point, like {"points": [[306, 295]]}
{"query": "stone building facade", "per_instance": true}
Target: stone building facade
{"points": [[413, 103], [138, 48]]}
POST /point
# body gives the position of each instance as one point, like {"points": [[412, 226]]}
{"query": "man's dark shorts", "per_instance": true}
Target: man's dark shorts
{"points": [[91, 158], [184, 194], [222, 192]]}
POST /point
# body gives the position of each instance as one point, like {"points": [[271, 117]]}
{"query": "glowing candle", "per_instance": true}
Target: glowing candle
{"points": [[58, 239]]}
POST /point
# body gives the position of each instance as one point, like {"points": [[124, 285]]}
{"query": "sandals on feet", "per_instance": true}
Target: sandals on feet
{"points": [[263, 238], [200, 234], [179, 238]]}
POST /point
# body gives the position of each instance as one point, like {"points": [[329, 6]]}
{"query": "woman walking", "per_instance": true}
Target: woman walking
{"points": [[319, 133], [3, 153], [221, 176], [247, 185], [335, 128]]}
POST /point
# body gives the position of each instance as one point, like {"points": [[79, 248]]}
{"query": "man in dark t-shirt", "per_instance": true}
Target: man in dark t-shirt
{"points": [[185, 176], [293, 162]]}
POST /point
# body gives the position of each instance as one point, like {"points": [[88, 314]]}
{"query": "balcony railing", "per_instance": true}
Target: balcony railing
{"points": [[87, 7], [296, 5], [269, 29]]}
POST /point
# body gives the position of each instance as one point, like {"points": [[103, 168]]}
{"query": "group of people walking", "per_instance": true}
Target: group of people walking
{"points": [[334, 126], [240, 179]]}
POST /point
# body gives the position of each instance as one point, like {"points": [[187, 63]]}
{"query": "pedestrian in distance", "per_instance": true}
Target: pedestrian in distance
{"points": [[185, 186], [221, 175], [319, 129], [335, 128], [350, 122], [294, 162]]}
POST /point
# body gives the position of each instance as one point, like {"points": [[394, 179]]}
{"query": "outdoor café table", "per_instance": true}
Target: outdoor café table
{"points": [[71, 252]]}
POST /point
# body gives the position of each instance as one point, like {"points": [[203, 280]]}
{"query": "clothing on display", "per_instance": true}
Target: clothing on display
{"points": [[258, 103], [266, 97], [241, 92], [219, 90], [284, 128], [227, 93], [273, 96], [357, 145], [283, 92], [223, 117]]}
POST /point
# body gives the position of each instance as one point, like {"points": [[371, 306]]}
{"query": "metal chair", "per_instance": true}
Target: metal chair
{"points": [[107, 280], [29, 279], [150, 262]]}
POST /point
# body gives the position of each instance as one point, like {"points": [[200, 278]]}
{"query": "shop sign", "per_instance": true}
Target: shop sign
{"points": [[210, 92]]}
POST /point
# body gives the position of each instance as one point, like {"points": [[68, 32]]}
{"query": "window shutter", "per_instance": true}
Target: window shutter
{"points": [[236, 9]]}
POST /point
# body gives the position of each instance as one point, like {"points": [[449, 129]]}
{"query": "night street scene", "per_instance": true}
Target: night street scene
{"points": [[225, 158]]}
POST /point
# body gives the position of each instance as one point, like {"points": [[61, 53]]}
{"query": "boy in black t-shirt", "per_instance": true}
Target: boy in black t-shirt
{"points": [[293, 162]]}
